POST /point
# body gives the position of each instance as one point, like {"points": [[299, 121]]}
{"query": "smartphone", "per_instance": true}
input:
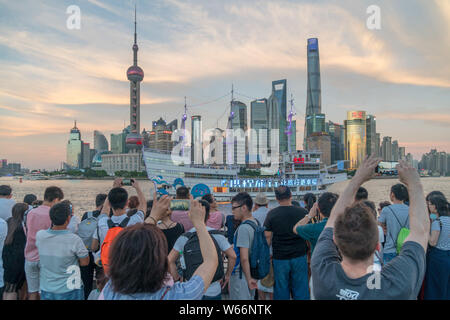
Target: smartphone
{"points": [[387, 168], [180, 205], [127, 182]]}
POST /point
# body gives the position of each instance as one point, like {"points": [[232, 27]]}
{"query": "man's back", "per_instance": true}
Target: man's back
{"points": [[395, 217], [261, 214], [59, 251], [103, 228], [400, 279], [6, 208], [37, 219], [285, 243]]}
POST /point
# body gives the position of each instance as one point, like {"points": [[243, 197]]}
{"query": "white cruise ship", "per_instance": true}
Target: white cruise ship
{"points": [[302, 171]]}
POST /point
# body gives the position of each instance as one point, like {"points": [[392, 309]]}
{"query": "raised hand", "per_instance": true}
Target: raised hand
{"points": [[159, 209], [407, 174], [366, 170], [197, 212], [117, 183]]}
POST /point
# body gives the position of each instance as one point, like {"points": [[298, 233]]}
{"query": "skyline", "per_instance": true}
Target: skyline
{"points": [[53, 75]]}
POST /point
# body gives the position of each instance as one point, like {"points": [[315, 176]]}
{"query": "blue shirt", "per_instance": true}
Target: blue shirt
{"points": [[395, 216], [190, 290], [311, 232]]}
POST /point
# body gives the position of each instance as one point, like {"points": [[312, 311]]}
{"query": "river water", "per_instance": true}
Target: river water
{"points": [[82, 192]]}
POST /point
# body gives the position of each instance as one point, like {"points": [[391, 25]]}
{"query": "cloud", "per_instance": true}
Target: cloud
{"points": [[434, 118]]}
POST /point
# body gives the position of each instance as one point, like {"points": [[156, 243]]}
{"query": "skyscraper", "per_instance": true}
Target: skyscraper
{"points": [[74, 148], [161, 136], [337, 136], [313, 93], [259, 114], [386, 149], [86, 155], [377, 145], [395, 150], [100, 142], [277, 104], [355, 138], [371, 130], [135, 75], [196, 140]]}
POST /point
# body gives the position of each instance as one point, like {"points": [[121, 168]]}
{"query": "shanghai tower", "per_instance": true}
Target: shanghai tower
{"points": [[314, 119], [135, 75]]}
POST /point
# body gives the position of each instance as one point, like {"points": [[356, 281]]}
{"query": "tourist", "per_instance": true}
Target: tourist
{"points": [[361, 194], [437, 281], [29, 199], [100, 283], [242, 286], [6, 203], [381, 206], [260, 210], [214, 291], [290, 265], [231, 224], [61, 254], [139, 265], [117, 200], [393, 218], [308, 201], [38, 219], [378, 256], [182, 216], [86, 230], [13, 253], [3, 234], [342, 262], [133, 204], [74, 221], [216, 218], [172, 230]]}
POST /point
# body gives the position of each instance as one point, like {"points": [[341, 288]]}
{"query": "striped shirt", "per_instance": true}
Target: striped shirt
{"points": [[444, 232]]}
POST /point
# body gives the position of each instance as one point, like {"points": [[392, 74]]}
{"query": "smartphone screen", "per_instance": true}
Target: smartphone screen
{"points": [[126, 182], [180, 205], [387, 168]]}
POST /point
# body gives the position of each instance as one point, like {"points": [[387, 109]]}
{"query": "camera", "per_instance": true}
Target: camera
{"points": [[127, 182]]}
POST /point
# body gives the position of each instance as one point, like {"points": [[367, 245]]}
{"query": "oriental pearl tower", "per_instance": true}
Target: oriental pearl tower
{"points": [[135, 75]]}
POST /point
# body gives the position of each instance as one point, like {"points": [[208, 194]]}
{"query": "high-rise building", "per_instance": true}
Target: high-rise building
{"points": [[4, 163], [118, 141], [173, 125], [277, 116], [321, 141], [259, 114], [135, 75], [401, 153], [315, 123], [239, 121], [160, 138], [386, 149], [313, 93], [86, 155], [196, 140], [337, 136], [355, 138], [371, 130], [395, 154], [377, 145], [100, 142], [75, 148]]}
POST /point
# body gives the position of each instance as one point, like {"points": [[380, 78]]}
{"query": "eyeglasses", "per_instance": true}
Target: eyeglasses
{"points": [[232, 208]]}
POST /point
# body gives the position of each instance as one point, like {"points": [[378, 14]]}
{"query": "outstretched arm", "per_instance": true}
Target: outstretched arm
{"points": [[364, 173], [419, 222]]}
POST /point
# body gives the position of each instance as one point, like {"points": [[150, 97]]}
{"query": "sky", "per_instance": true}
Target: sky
{"points": [[52, 75]]}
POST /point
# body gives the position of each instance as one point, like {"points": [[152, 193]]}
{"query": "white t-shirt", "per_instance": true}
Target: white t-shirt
{"points": [[138, 217], [6, 208]]}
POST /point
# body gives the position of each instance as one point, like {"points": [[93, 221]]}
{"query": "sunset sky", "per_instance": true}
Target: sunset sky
{"points": [[51, 75]]}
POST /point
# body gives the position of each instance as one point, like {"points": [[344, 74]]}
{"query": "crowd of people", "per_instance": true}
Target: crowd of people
{"points": [[332, 247]]}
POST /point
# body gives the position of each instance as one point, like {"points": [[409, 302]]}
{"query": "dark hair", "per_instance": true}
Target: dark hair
{"points": [[133, 202], [101, 279], [52, 193], [400, 192], [356, 232], [441, 204], [37, 203], [149, 208], [384, 204], [435, 193], [118, 198], [5, 190], [60, 212], [100, 199], [29, 199], [15, 222], [138, 258], [361, 194], [208, 197], [309, 199], [244, 199], [326, 203], [372, 207], [296, 203], [283, 193], [182, 193], [207, 208]]}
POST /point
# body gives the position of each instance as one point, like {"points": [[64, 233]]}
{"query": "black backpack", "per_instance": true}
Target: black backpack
{"points": [[193, 256]]}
